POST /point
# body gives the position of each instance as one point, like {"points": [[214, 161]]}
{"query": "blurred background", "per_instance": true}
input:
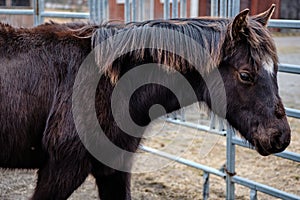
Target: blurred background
{"points": [[153, 9]]}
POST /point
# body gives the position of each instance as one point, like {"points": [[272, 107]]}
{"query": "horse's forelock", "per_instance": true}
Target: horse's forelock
{"points": [[260, 45]]}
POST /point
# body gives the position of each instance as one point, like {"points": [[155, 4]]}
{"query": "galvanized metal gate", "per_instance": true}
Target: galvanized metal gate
{"points": [[225, 8]]}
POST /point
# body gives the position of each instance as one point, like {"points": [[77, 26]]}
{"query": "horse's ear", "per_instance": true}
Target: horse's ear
{"points": [[264, 17], [240, 23]]}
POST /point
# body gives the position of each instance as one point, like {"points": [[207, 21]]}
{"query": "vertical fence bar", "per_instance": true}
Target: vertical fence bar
{"points": [[102, 11], [134, 10], [96, 10], [36, 12], [174, 8], [174, 115], [141, 10], [205, 185], [41, 11], [223, 8], [221, 124], [151, 9], [92, 10], [183, 9], [229, 8], [214, 11], [105, 11], [127, 11], [182, 114], [235, 7], [253, 194], [166, 9], [212, 123], [230, 162], [194, 8], [99, 10]]}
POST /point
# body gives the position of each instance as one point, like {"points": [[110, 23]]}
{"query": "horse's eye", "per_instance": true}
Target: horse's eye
{"points": [[246, 77]]}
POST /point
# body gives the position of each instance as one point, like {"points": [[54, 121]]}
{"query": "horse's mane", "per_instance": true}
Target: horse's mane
{"points": [[178, 44]]}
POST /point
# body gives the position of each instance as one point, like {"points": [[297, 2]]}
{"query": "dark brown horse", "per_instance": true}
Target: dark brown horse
{"points": [[39, 70]]}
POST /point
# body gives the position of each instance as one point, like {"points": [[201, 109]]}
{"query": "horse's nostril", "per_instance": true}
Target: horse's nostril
{"points": [[281, 141], [278, 144]]}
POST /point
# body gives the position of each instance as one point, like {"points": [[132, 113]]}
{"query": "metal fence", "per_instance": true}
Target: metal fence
{"points": [[98, 11]]}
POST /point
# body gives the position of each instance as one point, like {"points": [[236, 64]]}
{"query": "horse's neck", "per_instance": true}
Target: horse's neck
{"points": [[169, 96]]}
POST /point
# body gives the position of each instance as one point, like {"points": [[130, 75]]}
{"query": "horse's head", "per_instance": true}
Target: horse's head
{"points": [[249, 69]]}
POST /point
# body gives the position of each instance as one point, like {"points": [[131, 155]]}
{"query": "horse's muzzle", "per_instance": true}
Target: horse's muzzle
{"points": [[272, 140]]}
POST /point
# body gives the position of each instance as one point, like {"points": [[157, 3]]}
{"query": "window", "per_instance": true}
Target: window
{"points": [[2, 2], [20, 3]]}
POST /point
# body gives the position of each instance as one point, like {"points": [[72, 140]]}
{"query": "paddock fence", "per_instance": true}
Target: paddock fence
{"points": [[133, 9]]}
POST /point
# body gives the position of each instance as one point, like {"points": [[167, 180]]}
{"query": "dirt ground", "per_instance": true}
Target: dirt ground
{"points": [[175, 181]]}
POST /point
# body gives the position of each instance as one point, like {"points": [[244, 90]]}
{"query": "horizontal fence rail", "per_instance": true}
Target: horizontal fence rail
{"points": [[133, 10], [183, 161], [284, 23], [264, 188], [293, 112], [16, 12], [288, 68], [78, 15]]}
